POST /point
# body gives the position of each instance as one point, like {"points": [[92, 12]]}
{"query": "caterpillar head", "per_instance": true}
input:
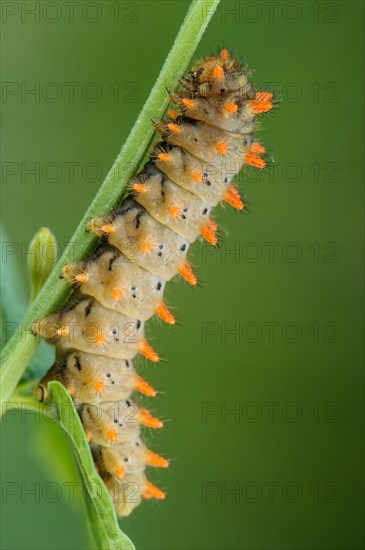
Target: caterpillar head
{"points": [[216, 75]]}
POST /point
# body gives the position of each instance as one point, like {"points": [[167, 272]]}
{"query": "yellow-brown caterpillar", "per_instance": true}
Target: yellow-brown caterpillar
{"points": [[206, 141]]}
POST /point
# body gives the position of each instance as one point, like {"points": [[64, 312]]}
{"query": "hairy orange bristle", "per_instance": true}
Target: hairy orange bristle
{"points": [[186, 272], [107, 228], [172, 113], [164, 314], [143, 387], [117, 293], [224, 54], [254, 160], [111, 435], [151, 491], [154, 459], [163, 156], [146, 419], [81, 278], [146, 350], [230, 107], [257, 148], [221, 148], [174, 128], [218, 72], [139, 187], [207, 232], [188, 103], [232, 197], [262, 102]]}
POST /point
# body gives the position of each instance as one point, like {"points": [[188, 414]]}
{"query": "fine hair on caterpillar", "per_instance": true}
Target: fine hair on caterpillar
{"points": [[207, 138]]}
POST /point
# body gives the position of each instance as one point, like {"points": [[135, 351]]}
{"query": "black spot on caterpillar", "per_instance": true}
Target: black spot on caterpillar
{"points": [[207, 139]]}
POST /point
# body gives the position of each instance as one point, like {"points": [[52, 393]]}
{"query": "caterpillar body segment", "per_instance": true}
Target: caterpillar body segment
{"points": [[89, 378], [145, 241], [207, 140], [111, 422], [118, 283], [90, 327], [206, 180], [128, 492], [171, 205], [206, 143], [226, 112], [130, 458]]}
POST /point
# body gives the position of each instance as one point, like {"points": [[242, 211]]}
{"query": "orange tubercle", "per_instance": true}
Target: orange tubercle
{"points": [[218, 72], [139, 187], [119, 471], [173, 114], [143, 387], [197, 177], [154, 459], [146, 419], [98, 386], [174, 128], [100, 339], [146, 350], [232, 197], [146, 247], [164, 314], [111, 435], [174, 211], [254, 160], [151, 491], [221, 148], [224, 53], [63, 331], [188, 103], [262, 102], [163, 156], [107, 228], [81, 278], [186, 272], [208, 233], [230, 107], [257, 148], [117, 293]]}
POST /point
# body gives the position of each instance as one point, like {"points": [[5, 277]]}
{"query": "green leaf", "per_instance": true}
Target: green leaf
{"points": [[103, 521]]}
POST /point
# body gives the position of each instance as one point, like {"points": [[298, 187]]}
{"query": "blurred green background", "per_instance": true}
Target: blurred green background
{"points": [[284, 471]]}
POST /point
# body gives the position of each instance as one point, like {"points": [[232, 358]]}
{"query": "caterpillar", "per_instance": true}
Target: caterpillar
{"points": [[207, 138]]}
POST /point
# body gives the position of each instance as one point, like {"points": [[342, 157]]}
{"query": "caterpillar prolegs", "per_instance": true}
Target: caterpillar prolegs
{"points": [[207, 139]]}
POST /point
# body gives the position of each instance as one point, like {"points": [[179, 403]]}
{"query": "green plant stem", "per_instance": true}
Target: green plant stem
{"points": [[19, 349]]}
